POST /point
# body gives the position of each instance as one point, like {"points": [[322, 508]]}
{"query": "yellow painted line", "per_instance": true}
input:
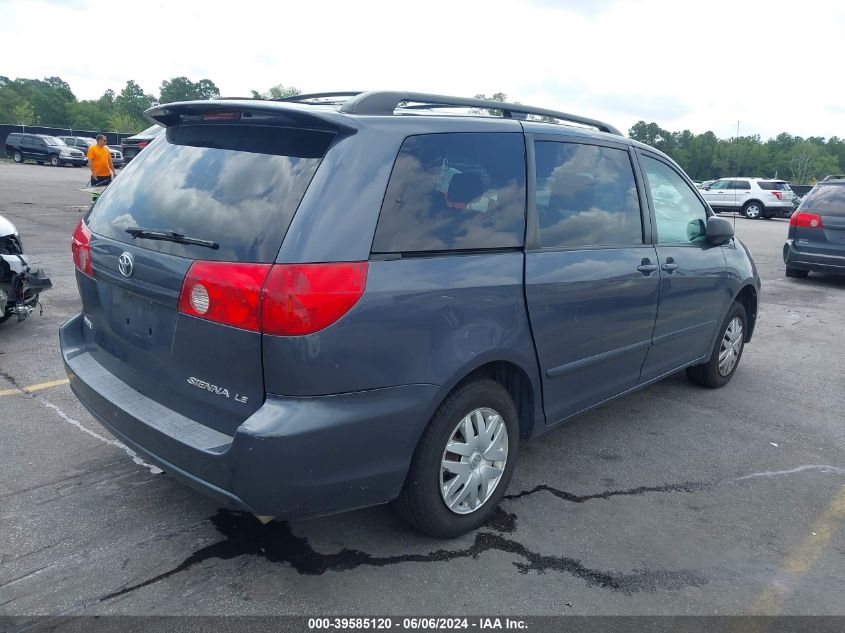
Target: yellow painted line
{"points": [[801, 559], [36, 387]]}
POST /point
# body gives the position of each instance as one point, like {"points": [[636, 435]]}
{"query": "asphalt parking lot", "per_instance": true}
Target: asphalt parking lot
{"points": [[675, 500]]}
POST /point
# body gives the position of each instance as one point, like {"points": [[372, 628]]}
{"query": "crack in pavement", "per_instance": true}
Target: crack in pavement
{"points": [[275, 542]]}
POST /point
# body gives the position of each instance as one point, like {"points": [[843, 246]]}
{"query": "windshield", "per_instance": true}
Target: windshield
{"points": [[153, 130], [236, 185], [52, 140]]}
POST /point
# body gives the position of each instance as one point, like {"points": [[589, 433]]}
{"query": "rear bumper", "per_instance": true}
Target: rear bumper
{"points": [[293, 458], [814, 262]]}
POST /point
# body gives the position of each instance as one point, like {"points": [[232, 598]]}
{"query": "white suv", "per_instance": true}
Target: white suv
{"points": [[753, 197]]}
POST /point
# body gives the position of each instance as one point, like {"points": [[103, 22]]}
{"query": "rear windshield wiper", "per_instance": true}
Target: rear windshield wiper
{"points": [[170, 236]]}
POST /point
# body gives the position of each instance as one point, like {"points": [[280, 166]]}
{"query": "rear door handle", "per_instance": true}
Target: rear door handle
{"points": [[646, 267], [670, 265]]}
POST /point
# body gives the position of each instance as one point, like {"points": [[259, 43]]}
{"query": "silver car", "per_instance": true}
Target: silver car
{"points": [[754, 198], [84, 142]]}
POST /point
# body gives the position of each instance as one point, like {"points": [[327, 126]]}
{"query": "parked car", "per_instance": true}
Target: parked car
{"points": [[330, 307], [21, 280], [131, 145], [753, 198], [82, 143], [816, 239], [42, 149]]}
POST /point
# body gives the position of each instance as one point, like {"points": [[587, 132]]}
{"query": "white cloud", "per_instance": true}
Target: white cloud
{"points": [[699, 66]]}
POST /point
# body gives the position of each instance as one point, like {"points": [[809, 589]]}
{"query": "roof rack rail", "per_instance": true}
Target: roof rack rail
{"points": [[386, 102], [320, 95]]}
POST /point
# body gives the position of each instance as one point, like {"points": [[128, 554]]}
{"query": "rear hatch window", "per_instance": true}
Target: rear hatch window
{"points": [[825, 200], [232, 186], [235, 185]]}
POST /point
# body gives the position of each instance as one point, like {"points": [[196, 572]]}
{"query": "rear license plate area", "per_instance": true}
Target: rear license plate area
{"points": [[140, 321]]}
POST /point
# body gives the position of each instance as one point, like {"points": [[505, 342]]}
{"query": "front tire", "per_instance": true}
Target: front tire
{"points": [[727, 352], [464, 461], [753, 210], [54, 161]]}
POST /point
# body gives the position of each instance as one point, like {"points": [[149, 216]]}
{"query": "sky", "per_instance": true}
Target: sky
{"points": [[771, 66]]}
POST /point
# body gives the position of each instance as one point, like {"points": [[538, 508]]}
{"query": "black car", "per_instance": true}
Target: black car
{"points": [[82, 143], [816, 240], [131, 145], [42, 149]]}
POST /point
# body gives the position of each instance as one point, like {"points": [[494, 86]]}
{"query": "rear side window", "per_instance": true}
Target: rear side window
{"points": [[13, 138], [236, 185], [586, 196], [462, 191], [826, 200], [773, 186]]}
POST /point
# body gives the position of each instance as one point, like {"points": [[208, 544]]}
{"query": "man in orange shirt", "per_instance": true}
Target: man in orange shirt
{"points": [[99, 160]]}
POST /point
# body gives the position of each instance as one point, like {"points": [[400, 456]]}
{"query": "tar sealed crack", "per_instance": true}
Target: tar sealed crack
{"points": [[275, 542], [689, 486]]}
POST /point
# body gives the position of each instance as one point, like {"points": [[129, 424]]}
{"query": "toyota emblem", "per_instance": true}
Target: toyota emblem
{"points": [[125, 264]]}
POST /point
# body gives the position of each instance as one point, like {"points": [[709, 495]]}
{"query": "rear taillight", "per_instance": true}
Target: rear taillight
{"points": [[776, 194], [80, 246], [142, 144], [280, 299], [225, 293], [806, 220], [304, 298]]}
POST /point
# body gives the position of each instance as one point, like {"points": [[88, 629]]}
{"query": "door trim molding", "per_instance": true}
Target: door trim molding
{"points": [[556, 372]]}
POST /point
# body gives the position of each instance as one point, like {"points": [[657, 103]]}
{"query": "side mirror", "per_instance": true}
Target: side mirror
{"points": [[719, 231]]}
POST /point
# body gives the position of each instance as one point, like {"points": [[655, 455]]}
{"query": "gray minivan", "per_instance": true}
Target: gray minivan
{"points": [[816, 239], [328, 302]]}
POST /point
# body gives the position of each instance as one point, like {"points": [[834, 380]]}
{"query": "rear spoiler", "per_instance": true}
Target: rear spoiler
{"points": [[264, 113]]}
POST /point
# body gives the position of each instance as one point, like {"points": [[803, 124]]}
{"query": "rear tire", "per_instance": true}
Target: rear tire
{"points": [[422, 502], [753, 210], [17, 157], [727, 351], [5, 317], [795, 273]]}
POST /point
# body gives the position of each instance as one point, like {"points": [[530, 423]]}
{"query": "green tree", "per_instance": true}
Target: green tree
{"points": [[87, 115], [126, 123], [501, 97], [809, 162], [177, 89], [24, 114], [132, 102], [205, 89], [278, 91], [183, 89], [48, 98]]}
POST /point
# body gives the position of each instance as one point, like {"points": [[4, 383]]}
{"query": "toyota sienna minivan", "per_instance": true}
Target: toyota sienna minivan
{"points": [[333, 301]]}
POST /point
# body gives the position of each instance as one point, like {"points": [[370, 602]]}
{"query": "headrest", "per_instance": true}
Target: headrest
{"points": [[465, 188]]}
